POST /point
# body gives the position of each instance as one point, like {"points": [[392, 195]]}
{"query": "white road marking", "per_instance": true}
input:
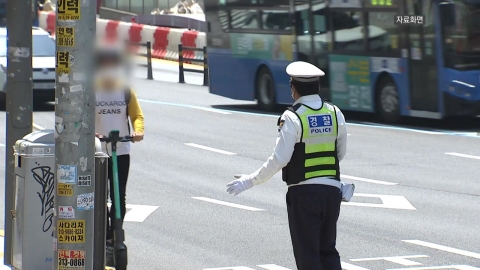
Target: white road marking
{"points": [[395, 259], [272, 267], [38, 127], [138, 213], [349, 134], [210, 110], [231, 268], [368, 180], [463, 155], [228, 204], [187, 106], [388, 201], [1, 144], [210, 149], [444, 248], [458, 267], [347, 266]]}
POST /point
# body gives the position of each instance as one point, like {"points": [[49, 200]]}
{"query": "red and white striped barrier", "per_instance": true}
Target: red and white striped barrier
{"points": [[164, 40]]}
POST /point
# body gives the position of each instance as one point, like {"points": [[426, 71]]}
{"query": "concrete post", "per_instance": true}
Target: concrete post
{"points": [[19, 99], [75, 134]]}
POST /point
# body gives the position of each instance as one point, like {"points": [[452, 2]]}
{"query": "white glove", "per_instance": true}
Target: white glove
{"points": [[243, 182]]}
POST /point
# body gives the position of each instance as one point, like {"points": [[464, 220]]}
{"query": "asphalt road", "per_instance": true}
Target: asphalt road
{"points": [[414, 202]]}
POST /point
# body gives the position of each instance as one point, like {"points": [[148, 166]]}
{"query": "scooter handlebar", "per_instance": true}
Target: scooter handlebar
{"points": [[108, 139]]}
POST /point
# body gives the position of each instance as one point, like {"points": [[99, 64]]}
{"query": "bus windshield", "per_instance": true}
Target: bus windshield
{"points": [[464, 37]]}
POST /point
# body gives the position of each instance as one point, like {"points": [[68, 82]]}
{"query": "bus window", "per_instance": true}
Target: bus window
{"points": [[382, 33], [349, 30], [276, 20], [244, 19], [302, 23]]}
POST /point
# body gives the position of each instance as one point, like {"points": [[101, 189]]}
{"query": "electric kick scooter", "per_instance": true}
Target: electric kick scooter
{"points": [[120, 249]]}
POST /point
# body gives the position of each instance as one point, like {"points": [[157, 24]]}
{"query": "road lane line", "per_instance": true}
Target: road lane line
{"points": [[228, 204], [37, 127], [462, 155], [1, 144], [444, 248], [458, 267], [403, 260], [230, 268], [347, 266], [137, 213], [272, 267], [388, 201], [185, 106], [209, 110], [368, 180], [210, 149]]}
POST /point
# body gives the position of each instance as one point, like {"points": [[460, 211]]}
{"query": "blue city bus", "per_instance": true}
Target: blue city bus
{"points": [[427, 66]]}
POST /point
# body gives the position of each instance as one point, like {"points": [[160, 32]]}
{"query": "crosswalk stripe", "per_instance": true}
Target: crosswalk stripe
{"points": [[444, 248]]}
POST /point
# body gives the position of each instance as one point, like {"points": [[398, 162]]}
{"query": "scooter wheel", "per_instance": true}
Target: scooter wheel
{"points": [[121, 260]]}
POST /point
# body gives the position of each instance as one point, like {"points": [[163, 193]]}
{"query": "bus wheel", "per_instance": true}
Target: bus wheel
{"points": [[265, 90], [388, 102]]}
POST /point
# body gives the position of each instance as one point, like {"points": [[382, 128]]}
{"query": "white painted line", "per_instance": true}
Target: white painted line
{"points": [[210, 149], [1, 144], [368, 180], [230, 268], [138, 213], [349, 134], [458, 267], [210, 110], [462, 155], [444, 248], [347, 266], [388, 201], [403, 260], [272, 267], [187, 106], [228, 204], [38, 127]]}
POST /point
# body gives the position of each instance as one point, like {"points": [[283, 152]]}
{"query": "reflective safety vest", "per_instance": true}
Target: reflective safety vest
{"points": [[316, 153]]}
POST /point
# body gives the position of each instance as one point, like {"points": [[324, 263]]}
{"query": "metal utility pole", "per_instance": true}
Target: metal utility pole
{"points": [[75, 134], [19, 100]]}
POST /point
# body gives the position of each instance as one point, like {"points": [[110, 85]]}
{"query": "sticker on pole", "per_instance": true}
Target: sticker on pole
{"points": [[66, 212], [71, 231], [85, 201], [65, 190], [84, 180], [68, 10], [62, 64], [67, 174], [65, 36], [71, 259]]}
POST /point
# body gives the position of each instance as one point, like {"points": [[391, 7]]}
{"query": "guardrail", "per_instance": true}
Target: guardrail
{"points": [[148, 55], [182, 59]]}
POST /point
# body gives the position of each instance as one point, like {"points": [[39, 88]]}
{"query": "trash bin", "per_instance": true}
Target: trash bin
{"points": [[33, 215]]}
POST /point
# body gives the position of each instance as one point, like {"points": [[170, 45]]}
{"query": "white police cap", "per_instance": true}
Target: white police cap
{"points": [[304, 72]]}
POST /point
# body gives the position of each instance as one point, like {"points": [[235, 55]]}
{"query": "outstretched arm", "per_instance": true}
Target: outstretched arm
{"points": [[285, 144]]}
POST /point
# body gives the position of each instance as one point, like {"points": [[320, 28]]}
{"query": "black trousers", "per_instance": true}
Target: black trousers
{"points": [[313, 212], [123, 169]]}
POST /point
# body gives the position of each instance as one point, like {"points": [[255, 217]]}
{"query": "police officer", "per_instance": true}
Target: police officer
{"points": [[311, 141]]}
